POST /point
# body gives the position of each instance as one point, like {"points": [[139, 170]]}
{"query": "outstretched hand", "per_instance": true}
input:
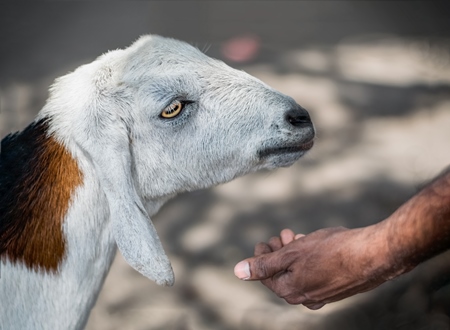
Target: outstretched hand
{"points": [[334, 263], [319, 268]]}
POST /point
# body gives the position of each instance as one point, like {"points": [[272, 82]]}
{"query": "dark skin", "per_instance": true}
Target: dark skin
{"points": [[335, 263]]}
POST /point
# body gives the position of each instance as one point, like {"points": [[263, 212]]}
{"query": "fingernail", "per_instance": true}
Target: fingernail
{"points": [[242, 270]]}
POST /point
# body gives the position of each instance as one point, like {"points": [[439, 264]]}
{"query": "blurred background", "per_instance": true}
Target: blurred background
{"points": [[375, 76]]}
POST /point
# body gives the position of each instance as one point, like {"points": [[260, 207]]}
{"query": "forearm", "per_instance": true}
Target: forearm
{"points": [[420, 228]]}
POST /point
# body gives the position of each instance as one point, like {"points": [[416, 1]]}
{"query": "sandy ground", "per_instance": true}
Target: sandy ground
{"points": [[381, 106]]}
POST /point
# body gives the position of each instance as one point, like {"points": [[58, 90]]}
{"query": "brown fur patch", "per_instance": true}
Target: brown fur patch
{"points": [[38, 192]]}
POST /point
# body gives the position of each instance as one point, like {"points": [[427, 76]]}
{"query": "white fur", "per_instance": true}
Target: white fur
{"points": [[106, 114]]}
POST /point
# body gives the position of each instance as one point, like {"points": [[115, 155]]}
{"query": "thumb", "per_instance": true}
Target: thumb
{"points": [[261, 267]]}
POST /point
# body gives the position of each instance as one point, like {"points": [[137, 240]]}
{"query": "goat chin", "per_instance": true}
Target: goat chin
{"points": [[116, 139]]}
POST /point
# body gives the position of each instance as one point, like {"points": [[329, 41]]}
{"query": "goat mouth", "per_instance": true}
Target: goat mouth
{"points": [[302, 148]]}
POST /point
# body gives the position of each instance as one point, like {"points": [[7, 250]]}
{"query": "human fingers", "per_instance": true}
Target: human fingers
{"points": [[242, 270], [262, 266], [262, 248], [287, 236], [275, 243], [299, 236]]}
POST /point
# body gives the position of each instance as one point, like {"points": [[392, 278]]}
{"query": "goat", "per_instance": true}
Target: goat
{"points": [[116, 139]]}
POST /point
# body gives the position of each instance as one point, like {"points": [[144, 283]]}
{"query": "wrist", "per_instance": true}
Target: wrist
{"points": [[399, 245], [384, 261]]}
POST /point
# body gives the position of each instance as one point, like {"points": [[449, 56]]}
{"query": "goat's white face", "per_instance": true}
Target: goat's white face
{"points": [[230, 124]]}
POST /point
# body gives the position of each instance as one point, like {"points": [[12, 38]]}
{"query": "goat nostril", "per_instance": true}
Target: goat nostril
{"points": [[298, 118]]}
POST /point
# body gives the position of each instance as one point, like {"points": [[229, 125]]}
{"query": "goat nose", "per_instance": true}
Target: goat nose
{"points": [[298, 117]]}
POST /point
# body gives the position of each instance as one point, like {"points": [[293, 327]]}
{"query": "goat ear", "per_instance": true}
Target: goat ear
{"points": [[132, 228]]}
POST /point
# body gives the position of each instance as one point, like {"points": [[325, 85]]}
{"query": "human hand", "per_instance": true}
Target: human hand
{"points": [[331, 264], [325, 266]]}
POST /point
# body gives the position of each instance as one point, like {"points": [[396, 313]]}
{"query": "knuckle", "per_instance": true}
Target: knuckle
{"points": [[262, 248], [275, 243], [274, 239], [260, 268]]}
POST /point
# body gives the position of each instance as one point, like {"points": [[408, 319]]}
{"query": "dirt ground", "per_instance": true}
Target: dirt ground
{"points": [[375, 77]]}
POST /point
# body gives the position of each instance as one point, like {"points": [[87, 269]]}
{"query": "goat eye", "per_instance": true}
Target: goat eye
{"points": [[173, 110]]}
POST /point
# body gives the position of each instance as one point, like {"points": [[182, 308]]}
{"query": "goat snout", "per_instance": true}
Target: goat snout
{"points": [[298, 117]]}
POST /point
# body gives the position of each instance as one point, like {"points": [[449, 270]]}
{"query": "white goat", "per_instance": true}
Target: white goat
{"points": [[116, 139]]}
